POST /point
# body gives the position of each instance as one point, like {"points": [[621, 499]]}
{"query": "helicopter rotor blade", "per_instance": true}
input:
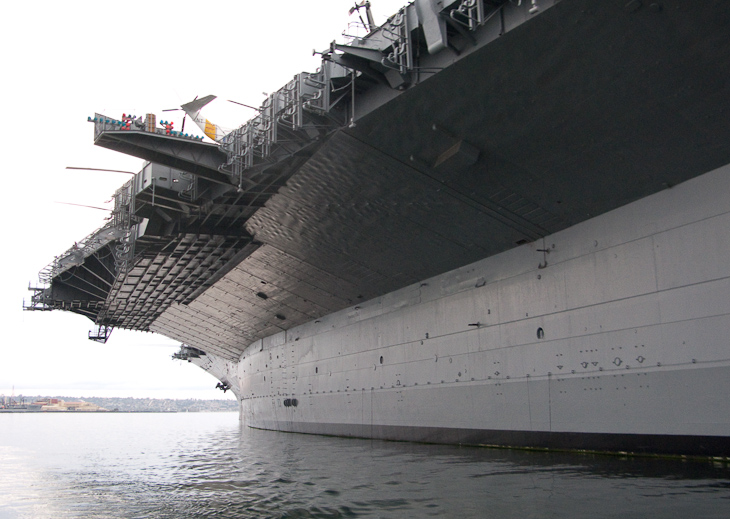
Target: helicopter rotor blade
{"points": [[242, 104], [82, 205], [101, 169]]}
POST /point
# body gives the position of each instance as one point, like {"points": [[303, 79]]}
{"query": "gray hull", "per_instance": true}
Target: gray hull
{"points": [[485, 222], [615, 339]]}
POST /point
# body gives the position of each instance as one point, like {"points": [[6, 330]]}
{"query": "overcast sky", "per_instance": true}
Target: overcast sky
{"points": [[64, 61]]}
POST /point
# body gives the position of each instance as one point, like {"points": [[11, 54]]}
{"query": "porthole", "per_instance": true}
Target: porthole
{"points": [[381, 359], [316, 370], [540, 333]]}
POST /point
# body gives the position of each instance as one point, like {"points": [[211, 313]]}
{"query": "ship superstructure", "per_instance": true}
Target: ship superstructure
{"points": [[483, 222]]}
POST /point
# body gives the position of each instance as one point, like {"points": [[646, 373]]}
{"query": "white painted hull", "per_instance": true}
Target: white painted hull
{"points": [[620, 342]]}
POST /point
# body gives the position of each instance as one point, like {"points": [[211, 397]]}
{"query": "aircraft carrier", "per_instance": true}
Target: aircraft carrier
{"points": [[482, 222]]}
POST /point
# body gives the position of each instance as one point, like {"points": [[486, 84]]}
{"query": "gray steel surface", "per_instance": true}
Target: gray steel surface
{"points": [[584, 108], [448, 145]]}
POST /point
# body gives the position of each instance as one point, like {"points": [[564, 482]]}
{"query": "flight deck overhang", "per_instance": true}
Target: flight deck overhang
{"points": [[165, 242], [521, 128], [199, 158], [584, 108]]}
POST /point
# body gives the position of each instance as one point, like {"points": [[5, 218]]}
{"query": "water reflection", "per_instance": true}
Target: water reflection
{"points": [[177, 466]]}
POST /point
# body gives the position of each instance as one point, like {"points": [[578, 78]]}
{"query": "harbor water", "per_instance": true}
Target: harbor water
{"points": [[190, 465]]}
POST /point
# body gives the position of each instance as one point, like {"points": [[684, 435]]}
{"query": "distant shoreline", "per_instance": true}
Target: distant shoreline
{"points": [[38, 411], [62, 404]]}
